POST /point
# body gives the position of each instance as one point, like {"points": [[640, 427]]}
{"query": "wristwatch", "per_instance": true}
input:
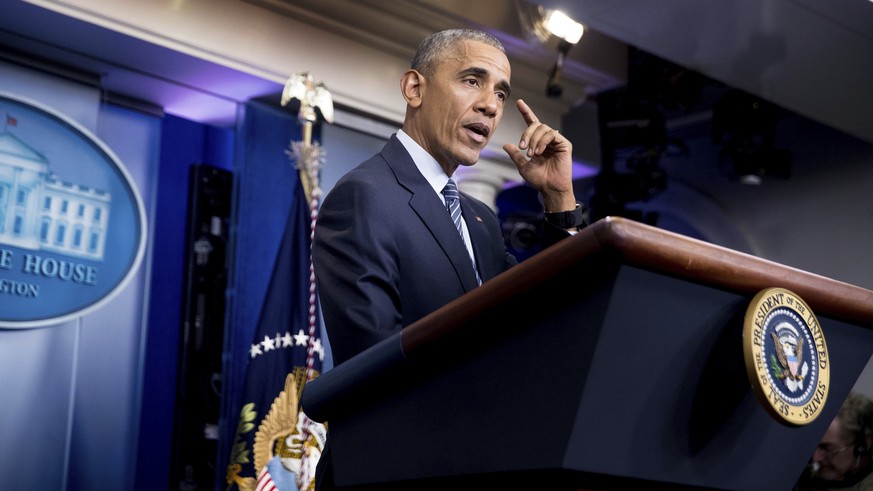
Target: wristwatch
{"points": [[568, 219]]}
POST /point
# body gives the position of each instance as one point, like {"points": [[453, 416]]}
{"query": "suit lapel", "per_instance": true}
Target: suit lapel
{"points": [[479, 235], [431, 210]]}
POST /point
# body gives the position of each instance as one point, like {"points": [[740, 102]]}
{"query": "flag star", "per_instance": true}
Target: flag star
{"points": [[256, 350], [318, 348], [287, 340], [301, 338], [268, 344]]}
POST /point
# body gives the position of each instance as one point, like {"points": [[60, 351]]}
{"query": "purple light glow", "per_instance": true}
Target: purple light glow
{"points": [[580, 171]]}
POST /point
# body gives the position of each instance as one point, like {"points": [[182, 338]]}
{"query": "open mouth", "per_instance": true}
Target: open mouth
{"points": [[479, 131]]}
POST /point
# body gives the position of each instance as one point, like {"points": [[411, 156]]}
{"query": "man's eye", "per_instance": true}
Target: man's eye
{"points": [[472, 82], [501, 96]]}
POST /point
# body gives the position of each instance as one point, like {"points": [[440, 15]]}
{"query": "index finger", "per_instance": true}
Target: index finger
{"points": [[526, 112]]}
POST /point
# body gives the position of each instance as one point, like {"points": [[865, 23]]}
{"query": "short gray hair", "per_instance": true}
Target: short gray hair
{"points": [[433, 48]]}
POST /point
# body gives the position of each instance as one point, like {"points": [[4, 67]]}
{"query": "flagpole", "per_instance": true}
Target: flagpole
{"points": [[309, 158]]}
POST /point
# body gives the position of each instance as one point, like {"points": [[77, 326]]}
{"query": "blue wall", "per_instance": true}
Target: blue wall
{"points": [[72, 391], [183, 143], [92, 402]]}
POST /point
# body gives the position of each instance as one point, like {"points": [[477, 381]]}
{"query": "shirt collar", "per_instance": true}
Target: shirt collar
{"points": [[426, 164]]}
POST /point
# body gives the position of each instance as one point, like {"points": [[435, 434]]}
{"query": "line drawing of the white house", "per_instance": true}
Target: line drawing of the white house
{"points": [[40, 211]]}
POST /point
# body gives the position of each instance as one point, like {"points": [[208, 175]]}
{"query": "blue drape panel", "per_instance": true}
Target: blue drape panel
{"points": [[265, 182]]}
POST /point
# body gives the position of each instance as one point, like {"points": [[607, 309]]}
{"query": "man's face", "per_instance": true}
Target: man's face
{"points": [[835, 455], [462, 103]]}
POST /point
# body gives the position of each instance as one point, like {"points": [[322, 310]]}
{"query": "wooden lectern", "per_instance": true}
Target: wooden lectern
{"points": [[613, 359]]}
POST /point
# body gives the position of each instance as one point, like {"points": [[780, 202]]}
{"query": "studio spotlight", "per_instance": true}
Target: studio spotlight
{"points": [[562, 26], [569, 32]]}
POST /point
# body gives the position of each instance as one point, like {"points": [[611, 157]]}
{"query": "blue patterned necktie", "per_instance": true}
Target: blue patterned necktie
{"points": [[453, 205]]}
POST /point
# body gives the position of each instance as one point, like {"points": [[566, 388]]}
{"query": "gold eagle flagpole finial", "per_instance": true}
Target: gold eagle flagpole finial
{"points": [[312, 95]]}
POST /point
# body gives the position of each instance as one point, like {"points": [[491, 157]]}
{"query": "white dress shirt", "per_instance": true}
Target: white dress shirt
{"points": [[436, 177]]}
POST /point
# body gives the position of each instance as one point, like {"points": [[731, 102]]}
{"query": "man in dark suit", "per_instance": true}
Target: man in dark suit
{"points": [[386, 250]]}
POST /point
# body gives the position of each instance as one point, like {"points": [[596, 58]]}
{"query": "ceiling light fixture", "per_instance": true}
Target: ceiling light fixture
{"points": [[569, 32], [562, 26]]}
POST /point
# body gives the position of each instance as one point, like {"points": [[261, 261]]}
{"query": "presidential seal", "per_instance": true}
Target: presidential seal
{"points": [[786, 356]]}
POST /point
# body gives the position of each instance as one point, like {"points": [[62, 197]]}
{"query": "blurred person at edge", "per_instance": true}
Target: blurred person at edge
{"points": [[843, 459]]}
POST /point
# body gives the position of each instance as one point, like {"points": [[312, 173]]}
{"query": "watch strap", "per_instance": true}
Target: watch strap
{"points": [[568, 219]]}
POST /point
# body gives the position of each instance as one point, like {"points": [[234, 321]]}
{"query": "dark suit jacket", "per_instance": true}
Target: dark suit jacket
{"points": [[386, 252]]}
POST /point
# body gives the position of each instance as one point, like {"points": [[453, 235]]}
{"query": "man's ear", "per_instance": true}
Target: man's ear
{"points": [[411, 86]]}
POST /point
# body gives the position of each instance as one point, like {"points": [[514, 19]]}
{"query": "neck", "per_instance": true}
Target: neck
{"points": [[448, 168]]}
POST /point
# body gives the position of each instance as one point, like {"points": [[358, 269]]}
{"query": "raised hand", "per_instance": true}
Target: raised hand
{"points": [[543, 157]]}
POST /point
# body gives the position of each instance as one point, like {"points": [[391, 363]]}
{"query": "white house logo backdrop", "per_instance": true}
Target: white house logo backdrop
{"points": [[72, 224]]}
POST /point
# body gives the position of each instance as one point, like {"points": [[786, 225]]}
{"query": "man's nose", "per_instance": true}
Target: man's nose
{"points": [[488, 104]]}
